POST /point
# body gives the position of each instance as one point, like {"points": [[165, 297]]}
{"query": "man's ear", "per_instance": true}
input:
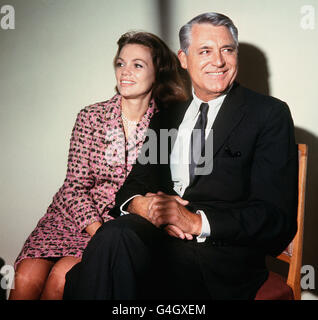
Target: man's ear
{"points": [[183, 59]]}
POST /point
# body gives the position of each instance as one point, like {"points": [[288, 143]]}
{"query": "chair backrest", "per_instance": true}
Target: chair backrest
{"points": [[293, 253]]}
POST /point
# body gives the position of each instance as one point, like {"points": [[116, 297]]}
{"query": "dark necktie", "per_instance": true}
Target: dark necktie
{"points": [[197, 142]]}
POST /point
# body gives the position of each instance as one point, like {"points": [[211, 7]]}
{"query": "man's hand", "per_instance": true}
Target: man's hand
{"points": [[140, 204], [177, 232], [170, 211]]}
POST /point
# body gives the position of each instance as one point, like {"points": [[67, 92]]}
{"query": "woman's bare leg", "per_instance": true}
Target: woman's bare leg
{"points": [[54, 286], [30, 279]]}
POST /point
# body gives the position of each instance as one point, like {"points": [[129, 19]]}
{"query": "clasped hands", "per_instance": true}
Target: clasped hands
{"points": [[168, 212]]}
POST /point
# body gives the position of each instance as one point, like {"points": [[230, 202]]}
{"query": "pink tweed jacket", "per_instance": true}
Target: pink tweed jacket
{"points": [[99, 161]]}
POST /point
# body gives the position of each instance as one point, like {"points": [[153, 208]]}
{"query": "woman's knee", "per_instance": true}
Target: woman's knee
{"points": [[56, 280], [26, 280], [61, 267], [30, 278]]}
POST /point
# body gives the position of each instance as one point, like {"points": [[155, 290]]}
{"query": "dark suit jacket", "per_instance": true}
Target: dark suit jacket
{"points": [[250, 198]]}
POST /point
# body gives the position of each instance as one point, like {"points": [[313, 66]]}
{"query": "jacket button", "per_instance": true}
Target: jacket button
{"points": [[119, 170]]}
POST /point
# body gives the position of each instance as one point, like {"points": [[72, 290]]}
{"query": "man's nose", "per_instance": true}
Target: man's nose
{"points": [[217, 59]]}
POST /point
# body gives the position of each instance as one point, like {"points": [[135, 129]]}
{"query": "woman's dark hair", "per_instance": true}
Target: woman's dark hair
{"points": [[169, 84]]}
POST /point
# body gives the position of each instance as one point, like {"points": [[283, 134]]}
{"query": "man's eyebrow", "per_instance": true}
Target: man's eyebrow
{"points": [[205, 47], [230, 45]]}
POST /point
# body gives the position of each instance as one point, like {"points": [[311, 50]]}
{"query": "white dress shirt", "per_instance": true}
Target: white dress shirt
{"points": [[179, 157]]}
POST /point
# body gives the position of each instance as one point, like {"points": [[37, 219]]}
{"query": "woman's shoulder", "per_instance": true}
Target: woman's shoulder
{"points": [[107, 108], [97, 107]]}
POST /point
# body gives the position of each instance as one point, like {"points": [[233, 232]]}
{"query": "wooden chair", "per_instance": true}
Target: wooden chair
{"points": [[276, 287]]}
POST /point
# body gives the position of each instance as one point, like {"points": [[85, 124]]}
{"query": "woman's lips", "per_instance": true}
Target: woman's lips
{"points": [[127, 82]]}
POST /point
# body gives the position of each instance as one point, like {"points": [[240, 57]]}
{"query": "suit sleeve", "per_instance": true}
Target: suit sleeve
{"points": [[268, 219], [144, 176]]}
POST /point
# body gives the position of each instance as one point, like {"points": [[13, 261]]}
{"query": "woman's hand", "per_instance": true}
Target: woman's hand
{"points": [[92, 228]]}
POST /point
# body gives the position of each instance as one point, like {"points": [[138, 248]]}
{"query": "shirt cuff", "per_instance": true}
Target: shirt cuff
{"points": [[205, 229], [122, 207]]}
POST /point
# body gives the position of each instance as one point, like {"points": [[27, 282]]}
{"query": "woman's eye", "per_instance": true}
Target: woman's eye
{"points": [[119, 64], [138, 66]]}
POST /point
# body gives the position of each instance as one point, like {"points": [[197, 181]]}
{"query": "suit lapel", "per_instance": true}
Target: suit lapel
{"points": [[173, 119], [229, 115], [170, 119], [176, 113]]}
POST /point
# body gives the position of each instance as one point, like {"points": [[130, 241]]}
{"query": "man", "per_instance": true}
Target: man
{"points": [[190, 233]]}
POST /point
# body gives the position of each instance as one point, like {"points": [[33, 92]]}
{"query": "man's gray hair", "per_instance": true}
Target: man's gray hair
{"points": [[216, 19]]}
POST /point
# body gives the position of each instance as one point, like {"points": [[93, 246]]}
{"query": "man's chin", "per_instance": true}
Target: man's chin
{"points": [[218, 90]]}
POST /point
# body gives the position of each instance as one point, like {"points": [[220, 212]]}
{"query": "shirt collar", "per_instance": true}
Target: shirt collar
{"points": [[213, 104]]}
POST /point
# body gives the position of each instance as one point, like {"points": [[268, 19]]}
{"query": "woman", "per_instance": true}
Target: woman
{"points": [[105, 142]]}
